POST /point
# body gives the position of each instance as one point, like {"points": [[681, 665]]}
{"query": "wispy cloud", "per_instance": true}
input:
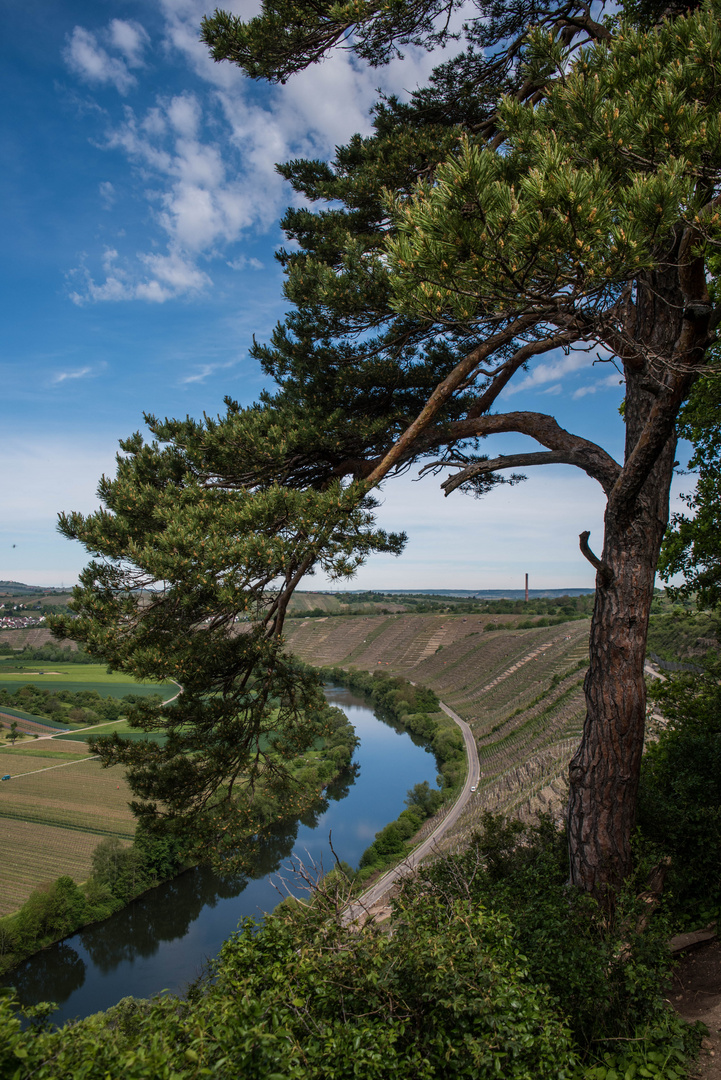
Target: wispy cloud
{"points": [[205, 371], [243, 262], [107, 194], [73, 373], [168, 277], [602, 384], [551, 372]]}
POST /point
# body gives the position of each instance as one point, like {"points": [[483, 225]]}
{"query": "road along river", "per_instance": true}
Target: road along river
{"points": [[378, 890], [162, 940]]}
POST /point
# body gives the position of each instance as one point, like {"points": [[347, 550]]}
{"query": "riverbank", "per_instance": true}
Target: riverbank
{"points": [[123, 872], [162, 940], [418, 711]]}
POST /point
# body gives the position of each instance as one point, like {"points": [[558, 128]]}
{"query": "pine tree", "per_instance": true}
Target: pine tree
{"points": [[556, 185]]}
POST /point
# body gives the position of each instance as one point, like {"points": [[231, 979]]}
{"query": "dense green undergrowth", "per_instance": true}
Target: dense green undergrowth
{"points": [[495, 969], [679, 804]]}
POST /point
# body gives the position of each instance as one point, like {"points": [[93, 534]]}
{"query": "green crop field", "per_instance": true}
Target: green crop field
{"points": [[75, 677]]}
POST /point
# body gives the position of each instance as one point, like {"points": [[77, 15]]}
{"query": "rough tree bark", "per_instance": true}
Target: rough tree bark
{"points": [[669, 322]]}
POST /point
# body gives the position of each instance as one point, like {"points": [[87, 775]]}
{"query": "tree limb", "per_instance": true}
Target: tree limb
{"points": [[508, 461], [604, 571], [583, 453], [445, 390], [506, 372]]}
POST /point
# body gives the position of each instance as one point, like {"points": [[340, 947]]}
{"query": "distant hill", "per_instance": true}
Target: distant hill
{"points": [[16, 588], [480, 594]]}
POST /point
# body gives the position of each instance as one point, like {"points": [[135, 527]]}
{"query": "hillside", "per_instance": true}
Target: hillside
{"points": [[520, 690]]}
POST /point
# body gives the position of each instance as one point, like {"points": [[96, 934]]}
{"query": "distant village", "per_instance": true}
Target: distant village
{"points": [[20, 622]]}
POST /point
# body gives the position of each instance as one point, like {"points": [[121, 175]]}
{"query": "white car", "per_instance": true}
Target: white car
{"points": [[474, 788]]}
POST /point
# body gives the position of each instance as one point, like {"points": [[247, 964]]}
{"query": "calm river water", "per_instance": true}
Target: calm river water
{"points": [[162, 941]]}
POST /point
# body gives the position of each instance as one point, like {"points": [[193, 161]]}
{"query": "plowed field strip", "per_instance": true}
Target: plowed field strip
{"points": [[84, 797]]}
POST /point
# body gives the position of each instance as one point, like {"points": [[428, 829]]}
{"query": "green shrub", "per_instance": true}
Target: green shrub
{"points": [[447, 996], [679, 804]]}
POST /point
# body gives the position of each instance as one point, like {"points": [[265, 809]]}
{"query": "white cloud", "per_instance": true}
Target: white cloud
{"points": [[175, 274], [129, 38], [205, 160], [614, 379], [107, 193], [170, 277], [243, 262], [88, 59]]}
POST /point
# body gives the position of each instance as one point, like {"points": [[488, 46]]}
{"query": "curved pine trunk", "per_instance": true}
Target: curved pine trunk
{"points": [[669, 324]]}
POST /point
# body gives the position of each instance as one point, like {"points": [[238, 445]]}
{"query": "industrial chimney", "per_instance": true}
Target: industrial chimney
{"points": [[526, 588]]}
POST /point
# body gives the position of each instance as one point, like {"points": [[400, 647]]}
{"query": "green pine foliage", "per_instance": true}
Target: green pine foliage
{"points": [[534, 226]]}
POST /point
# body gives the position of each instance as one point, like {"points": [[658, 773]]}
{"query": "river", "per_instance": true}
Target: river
{"points": [[163, 940]]}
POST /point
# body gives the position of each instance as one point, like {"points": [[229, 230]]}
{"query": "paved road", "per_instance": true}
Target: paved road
{"points": [[382, 886]]}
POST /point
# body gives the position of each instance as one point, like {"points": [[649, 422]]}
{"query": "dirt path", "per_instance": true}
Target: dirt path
{"points": [[48, 768], [373, 896], [696, 995]]}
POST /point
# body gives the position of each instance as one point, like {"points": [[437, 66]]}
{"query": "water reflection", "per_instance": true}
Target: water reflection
{"points": [[163, 940], [59, 968]]}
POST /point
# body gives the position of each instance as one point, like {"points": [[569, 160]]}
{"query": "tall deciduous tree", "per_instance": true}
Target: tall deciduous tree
{"points": [[692, 546], [554, 187]]}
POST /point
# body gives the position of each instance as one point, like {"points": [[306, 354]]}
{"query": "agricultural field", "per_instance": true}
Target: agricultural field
{"points": [[34, 854], [56, 808], [74, 677], [520, 690]]}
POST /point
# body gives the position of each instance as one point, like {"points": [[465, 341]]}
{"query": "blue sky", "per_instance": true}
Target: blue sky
{"points": [[140, 215]]}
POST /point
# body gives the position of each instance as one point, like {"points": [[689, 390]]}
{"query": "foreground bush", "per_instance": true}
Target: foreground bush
{"points": [[446, 996], [494, 969]]}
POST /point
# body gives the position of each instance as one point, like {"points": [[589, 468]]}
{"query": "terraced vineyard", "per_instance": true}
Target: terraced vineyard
{"points": [[55, 809], [521, 691]]}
